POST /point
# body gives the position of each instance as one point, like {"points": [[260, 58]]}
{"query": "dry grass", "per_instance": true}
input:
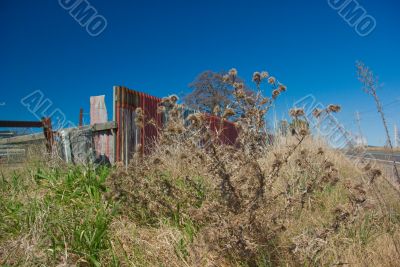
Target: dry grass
{"points": [[197, 202], [297, 202]]}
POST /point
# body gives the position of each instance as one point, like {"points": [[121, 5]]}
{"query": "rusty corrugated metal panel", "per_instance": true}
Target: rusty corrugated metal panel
{"points": [[129, 136]]}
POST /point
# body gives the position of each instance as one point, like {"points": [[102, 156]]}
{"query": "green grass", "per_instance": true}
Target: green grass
{"points": [[59, 210]]}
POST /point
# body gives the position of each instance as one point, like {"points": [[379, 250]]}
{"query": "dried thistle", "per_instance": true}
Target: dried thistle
{"points": [[257, 77], [282, 88], [275, 93], [165, 101], [173, 98], [225, 78], [296, 112], [317, 112], [239, 94], [271, 80], [333, 108], [238, 85], [264, 101], [264, 75], [233, 72], [228, 113], [216, 110], [304, 132]]}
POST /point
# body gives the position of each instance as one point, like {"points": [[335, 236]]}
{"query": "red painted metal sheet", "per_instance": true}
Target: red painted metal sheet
{"points": [[129, 136]]}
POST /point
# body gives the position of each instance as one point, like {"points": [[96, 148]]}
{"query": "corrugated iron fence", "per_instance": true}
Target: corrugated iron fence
{"points": [[116, 141], [130, 138]]}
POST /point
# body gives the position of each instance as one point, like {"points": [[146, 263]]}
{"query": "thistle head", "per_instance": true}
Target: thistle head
{"points": [[228, 113], [333, 108], [256, 77], [296, 112], [282, 88], [317, 113], [216, 110], [233, 72], [271, 80], [264, 75], [173, 98], [275, 93], [238, 86]]}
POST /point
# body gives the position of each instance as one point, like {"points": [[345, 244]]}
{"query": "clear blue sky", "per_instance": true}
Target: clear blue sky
{"points": [[160, 46]]}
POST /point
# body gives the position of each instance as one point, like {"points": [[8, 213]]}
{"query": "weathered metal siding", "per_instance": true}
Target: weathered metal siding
{"points": [[129, 136], [103, 140], [226, 130]]}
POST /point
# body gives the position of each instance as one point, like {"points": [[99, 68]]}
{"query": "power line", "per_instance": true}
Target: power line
{"points": [[386, 105]]}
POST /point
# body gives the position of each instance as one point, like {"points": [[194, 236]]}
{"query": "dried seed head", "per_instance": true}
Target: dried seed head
{"points": [[196, 119], [250, 100], [333, 108], [271, 80], [317, 113], [225, 78], [296, 112], [173, 98], [264, 101], [228, 113], [275, 93], [264, 75], [233, 72], [239, 93], [216, 110], [282, 88], [238, 86], [304, 132], [320, 151], [165, 101], [257, 77]]}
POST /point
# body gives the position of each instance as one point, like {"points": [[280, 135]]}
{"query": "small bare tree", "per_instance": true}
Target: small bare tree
{"points": [[370, 86], [210, 90]]}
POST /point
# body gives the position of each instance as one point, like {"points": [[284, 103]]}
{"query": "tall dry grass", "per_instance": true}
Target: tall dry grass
{"points": [[195, 201]]}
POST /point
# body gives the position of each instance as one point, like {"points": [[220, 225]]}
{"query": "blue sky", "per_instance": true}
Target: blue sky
{"points": [[160, 46]]}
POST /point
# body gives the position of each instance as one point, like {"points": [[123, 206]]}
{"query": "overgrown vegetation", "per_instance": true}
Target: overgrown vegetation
{"points": [[195, 201]]}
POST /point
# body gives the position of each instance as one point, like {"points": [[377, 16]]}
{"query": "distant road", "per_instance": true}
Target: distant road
{"points": [[380, 156]]}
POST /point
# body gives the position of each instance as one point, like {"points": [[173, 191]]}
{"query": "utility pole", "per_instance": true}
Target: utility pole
{"points": [[358, 119], [396, 136]]}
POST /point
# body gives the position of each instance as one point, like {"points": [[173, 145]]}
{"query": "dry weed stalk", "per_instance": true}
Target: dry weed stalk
{"points": [[370, 86]]}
